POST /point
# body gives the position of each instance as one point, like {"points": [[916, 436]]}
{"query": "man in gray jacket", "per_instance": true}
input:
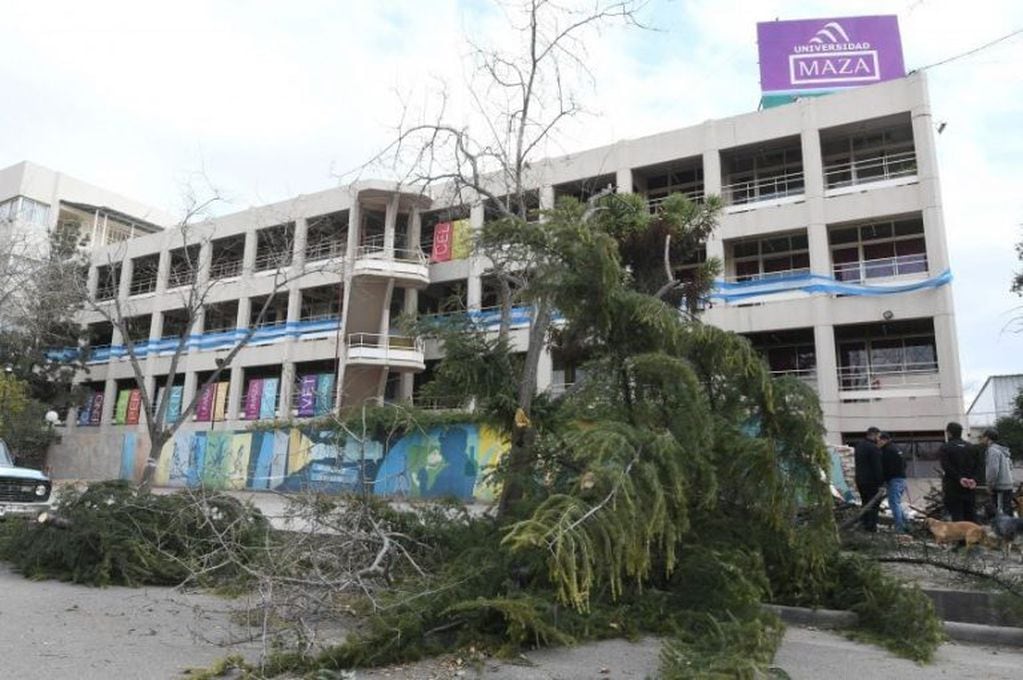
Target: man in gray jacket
{"points": [[998, 471]]}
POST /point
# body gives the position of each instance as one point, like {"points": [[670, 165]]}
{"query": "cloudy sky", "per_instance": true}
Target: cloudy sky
{"points": [[271, 99]]}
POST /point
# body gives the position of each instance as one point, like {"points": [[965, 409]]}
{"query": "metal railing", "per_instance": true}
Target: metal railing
{"points": [[764, 188], [439, 403], [900, 265], [694, 195], [178, 279], [141, 286], [225, 269], [806, 375], [388, 342], [767, 276], [325, 249], [873, 169], [272, 260], [886, 376], [104, 293], [320, 314], [378, 252]]}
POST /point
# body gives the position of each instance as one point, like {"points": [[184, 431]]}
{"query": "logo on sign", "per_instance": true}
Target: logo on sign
{"points": [[831, 56]]}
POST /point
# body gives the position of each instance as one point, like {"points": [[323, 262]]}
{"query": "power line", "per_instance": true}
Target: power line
{"points": [[973, 51]]}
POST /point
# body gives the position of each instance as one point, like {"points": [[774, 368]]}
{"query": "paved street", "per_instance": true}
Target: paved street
{"points": [[55, 630]]}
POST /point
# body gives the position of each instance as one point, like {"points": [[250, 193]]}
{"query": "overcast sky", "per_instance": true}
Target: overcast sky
{"points": [[272, 99]]}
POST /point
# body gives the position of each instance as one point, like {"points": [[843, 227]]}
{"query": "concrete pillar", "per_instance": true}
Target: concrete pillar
{"points": [[124, 284], [406, 386], [286, 389], [92, 281], [301, 238], [109, 401], [294, 303], [623, 181], [947, 349], [249, 253], [547, 197], [205, 261], [390, 222], [927, 174], [234, 392], [244, 312], [712, 172], [354, 228], [544, 369], [813, 178], [163, 270], [188, 390], [827, 366], [415, 230], [156, 326]]}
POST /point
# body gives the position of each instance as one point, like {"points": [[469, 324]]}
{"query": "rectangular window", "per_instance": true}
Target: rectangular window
{"points": [[878, 250], [771, 257]]}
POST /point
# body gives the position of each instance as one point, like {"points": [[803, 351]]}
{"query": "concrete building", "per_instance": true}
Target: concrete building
{"points": [[833, 243], [996, 399]]}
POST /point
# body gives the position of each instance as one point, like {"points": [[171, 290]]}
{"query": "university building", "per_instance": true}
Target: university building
{"points": [[832, 237]]}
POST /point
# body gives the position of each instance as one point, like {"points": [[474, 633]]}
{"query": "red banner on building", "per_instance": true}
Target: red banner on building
{"points": [[134, 407], [442, 238]]}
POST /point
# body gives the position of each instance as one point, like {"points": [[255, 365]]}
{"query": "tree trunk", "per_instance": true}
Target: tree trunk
{"points": [[537, 338], [153, 461]]}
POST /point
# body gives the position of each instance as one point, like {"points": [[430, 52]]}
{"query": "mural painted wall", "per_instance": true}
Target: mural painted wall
{"points": [[445, 461]]}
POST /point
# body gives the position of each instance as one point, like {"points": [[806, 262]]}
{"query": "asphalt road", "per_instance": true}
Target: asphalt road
{"points": [[51, 630]]}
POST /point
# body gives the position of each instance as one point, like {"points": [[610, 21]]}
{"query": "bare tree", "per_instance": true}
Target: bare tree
{"points": [[192, 288], [520, 100]]}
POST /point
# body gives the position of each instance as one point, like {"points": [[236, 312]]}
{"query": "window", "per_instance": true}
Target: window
{"points": [[886, 355], [26, 210], [880, 250], [762, 173], [869, 155], [771, 257]]}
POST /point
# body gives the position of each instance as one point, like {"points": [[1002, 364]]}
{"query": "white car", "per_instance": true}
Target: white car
{"points": [[23, 491]]}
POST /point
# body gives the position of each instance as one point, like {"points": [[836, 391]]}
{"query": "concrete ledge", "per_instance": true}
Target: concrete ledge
{"points": [[818, 618], [955, 630]]}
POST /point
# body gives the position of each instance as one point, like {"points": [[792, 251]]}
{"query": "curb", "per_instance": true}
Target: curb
{"points": [[955, 630]]}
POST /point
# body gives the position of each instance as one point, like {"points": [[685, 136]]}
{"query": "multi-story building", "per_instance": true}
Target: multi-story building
{"points": [[832, 239]]}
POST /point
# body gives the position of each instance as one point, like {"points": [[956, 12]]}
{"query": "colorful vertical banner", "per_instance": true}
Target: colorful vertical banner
{"points": [[307, 396], [441, 242], [461, 239], [253, 399], [324, 393], [85, 410], [204, 409], [220, 400], [268, 399], [96, 412], [134, 407], [121, 407], [174, 403]]}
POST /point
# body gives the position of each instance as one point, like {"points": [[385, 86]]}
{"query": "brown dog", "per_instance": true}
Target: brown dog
{"points": [[953, 532]]}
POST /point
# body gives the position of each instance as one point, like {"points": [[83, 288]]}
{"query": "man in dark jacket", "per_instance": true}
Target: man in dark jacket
{"points": [[894, 467], [960, 471], [869, 475]]}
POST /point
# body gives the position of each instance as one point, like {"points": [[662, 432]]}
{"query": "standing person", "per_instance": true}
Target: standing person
{"points": [[997, 471], [894, 467], [869, 475], [959, 475]]}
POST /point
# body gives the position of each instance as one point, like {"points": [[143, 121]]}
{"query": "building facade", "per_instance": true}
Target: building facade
{"points": [[832, 237]]}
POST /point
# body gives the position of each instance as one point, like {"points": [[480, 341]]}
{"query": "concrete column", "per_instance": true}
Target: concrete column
{"points": [[354, 228], [234, 393], [249, 253], [947, 350], [299, 244], [109, 401], [124, 284], [827, 366], [547, 199], [244, 311], [544, 370], [406, 386], [929, 186], [813, 178], [92, 281], [623, 181], [712, 172], [390, 221], [477, 264], [415, 230], [284, 390], [294, 303], [188, 390], [205, 261], [163, 270], [156, 326]]}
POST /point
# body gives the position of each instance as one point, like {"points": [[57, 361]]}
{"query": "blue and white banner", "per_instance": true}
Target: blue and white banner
{"points": [[815, 283]]}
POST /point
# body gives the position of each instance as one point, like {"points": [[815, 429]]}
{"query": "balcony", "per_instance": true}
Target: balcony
{"points": [[694, 195], [225, 270], [807, 376], [781, 188], [900, 167], [881, 268], [888, 380], [272, 261], [327, 249], [768, 276], [396, 352], [408, 265]]}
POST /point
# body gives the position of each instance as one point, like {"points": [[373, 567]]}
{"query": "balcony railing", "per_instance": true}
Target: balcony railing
{"points": [[887, 376], [884, 267], [178, 279], [439, 403], [326, 249], [695, 195], [767, 276], [106, 293], [874, 169], [382, 341], [142, 285], [805, 375], [272, 260], [764, 188], [377, 251], [225, 269]]}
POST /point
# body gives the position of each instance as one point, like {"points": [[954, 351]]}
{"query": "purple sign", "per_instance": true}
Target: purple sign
{"points": [[307, 396], [828, 54]]}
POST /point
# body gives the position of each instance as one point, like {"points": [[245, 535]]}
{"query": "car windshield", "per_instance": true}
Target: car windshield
{"points": [[5, 456]]}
